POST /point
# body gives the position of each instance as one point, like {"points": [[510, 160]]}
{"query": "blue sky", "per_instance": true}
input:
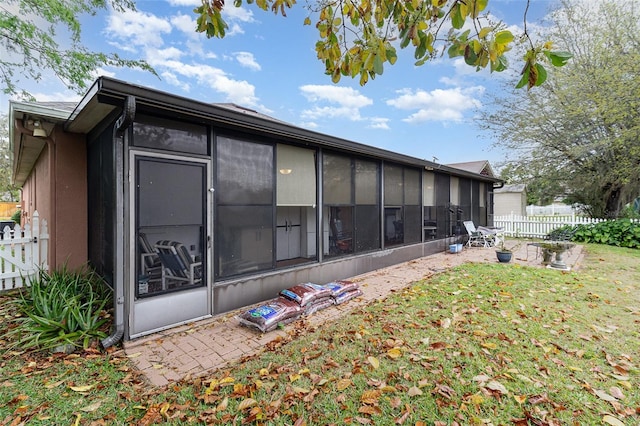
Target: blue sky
{"points": [[268, 63]]}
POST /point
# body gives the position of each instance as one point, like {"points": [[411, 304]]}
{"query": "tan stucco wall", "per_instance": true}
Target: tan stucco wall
{"points": [[71, 200], [61, 199]]}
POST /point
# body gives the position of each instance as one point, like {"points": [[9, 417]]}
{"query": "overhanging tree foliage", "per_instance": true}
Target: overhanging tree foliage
{"points": [[8, 192], [357, 37], [582, 128], [29, 47]]}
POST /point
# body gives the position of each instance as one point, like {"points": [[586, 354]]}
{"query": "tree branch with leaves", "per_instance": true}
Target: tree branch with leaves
{"points": [[356, 38], [30, 45]]}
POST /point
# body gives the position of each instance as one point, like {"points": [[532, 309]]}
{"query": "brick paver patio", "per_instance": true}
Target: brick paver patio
{"points": [[204, 346]]}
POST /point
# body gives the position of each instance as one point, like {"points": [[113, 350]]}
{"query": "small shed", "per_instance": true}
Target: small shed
{"points": [[510, 199]]}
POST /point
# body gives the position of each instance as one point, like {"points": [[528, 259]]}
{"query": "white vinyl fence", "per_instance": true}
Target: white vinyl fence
{"points": [[23, 252], [537, 226]]}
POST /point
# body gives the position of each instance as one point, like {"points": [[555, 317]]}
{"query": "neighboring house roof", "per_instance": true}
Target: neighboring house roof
{"points": [[519, 187], [481, 167]]}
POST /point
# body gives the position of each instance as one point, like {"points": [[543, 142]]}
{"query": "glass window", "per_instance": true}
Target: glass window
{"points": [[245, 198], [245, 235], [454, 194], [296, 176], [411, 187], [336, 179], [351, 211], [367, 191], [170, 135], [393, 191], [367, 227], [367, 224], [245, 172], [402, 213], [429, 189], [296, 213], [340, 230]]}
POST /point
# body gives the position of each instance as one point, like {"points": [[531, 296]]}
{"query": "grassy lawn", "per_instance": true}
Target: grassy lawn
{"points": [[479, 344]]}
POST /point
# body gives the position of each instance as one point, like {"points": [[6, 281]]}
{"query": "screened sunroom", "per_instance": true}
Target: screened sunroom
{"points": [[197, 209]]}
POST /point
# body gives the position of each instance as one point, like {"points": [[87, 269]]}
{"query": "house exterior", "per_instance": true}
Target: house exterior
{"points": [[189, 209], [510, 199]]}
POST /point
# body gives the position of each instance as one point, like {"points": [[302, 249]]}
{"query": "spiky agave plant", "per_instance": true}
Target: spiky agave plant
{"points": [[62, 308]]}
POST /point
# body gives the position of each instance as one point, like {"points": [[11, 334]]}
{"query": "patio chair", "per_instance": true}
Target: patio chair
{"points": [[177, 263], [478, 238], [150, 265]]}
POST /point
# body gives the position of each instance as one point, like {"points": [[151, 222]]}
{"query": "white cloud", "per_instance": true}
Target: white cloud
{"points": [[137, 28], [379, 123], [308, 124], [344, 96], [236, 91], [102, 72], [186, 25], [172, 79], [158, 56], [331, 112], [66, 96], [179, 3], [437, 105], [247, 60]]}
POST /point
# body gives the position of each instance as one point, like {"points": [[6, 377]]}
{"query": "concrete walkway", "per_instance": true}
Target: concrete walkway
{"points": [[204, 346]]}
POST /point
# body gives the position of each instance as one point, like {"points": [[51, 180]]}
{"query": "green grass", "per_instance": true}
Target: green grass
{"points": [[478, 344]]}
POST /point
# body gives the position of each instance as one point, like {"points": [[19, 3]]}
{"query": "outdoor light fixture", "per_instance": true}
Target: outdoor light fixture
{"points": [[38, 130], [285, 171]]}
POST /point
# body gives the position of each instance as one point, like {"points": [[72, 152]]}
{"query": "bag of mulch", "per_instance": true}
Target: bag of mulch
{"points": [[273, 313], [318, 305], [346, 296], [306, 293], [341, 286]]}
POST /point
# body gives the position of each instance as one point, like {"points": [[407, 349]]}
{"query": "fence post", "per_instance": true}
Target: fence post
{"points": [[35, 235]]}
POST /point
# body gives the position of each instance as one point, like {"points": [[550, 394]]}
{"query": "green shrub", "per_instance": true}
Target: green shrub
{"points": [[17, 216], [61, 308], [620, 232]]}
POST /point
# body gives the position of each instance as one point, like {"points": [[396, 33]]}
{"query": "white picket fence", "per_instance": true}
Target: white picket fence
{"points": [[538, 226], [23, 252]]}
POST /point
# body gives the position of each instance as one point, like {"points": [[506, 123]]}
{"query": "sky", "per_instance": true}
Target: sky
{"points": [[268, 63]]}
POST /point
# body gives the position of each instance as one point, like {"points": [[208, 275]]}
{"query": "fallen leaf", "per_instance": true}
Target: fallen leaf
{"points": [[92, 407], [371, 396], [374, 362], [54, 384], [414, 391], [603, 395], [497, 386], [520, 399], [85, 388], [223, 405], [489, 345], [394, 353], [610, 420], [247, 403], [616, 392], [343, 384]]}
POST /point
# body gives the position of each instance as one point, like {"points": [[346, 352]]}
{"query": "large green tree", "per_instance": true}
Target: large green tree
{"points": [[582, 129], [30, 43]]}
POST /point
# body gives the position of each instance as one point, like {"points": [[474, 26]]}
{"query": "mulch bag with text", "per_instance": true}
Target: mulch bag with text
{"points": [[311, 297], [267, 317], [343, 291]]}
